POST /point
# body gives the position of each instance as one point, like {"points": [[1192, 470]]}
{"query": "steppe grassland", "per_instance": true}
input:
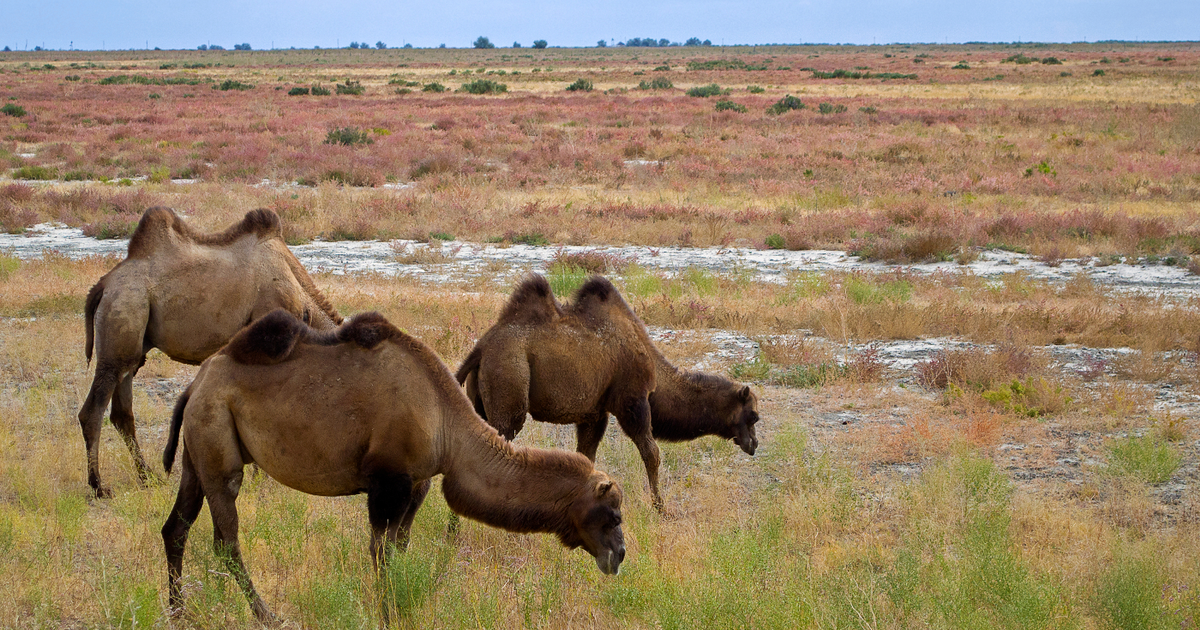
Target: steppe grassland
{"points": [[823, 527]]}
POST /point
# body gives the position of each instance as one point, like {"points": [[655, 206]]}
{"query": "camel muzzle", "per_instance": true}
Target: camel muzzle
{"points": [[609, 561]]}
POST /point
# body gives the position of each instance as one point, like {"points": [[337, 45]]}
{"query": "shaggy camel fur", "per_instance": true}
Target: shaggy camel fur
{"points": [[577, 363], [366, 408], [185, 294]]}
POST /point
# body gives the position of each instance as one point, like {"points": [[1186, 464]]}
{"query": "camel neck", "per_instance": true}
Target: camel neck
{"points": [[682, 406], [521, 490]]}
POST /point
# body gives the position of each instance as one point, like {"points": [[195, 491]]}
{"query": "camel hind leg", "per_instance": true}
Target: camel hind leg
{"points": [[222, 503], [504, 392], [589, 433]]}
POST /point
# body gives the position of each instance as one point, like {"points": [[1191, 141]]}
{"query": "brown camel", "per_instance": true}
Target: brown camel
{"points": [[365, 408], [185, 294], [576, 363]]}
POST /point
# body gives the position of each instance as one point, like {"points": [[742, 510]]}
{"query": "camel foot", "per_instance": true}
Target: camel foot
{"points": [[102, 492]]}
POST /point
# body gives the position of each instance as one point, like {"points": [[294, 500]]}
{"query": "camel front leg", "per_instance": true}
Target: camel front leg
{"points": [[91, 419], [175, 531], [589, 433], [222, 503], [392, 502], [122, 419], [635, 422]]}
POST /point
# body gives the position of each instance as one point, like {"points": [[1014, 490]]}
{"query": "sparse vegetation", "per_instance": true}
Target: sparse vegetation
{"points": [[348, 136], [704, 91], [483, 86]]}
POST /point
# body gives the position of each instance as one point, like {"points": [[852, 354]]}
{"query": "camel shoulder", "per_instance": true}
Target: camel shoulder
{"points": [[160, 226]]}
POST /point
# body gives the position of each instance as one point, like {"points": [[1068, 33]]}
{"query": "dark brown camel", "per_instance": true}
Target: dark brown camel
{"points": [[576, 363], [185, 294], [365, 408]]}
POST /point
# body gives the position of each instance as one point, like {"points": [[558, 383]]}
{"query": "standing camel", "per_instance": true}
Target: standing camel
{"points": [[366, 408], [186, 294], [576, 363]]}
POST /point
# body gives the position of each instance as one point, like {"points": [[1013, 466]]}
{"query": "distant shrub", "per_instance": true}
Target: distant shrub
{"points": [[78, 176], [755, 89], [705, 91], [527, 238], [483, 86], [662, 68], [830, 108], [1019, 59], [1043, 167], [230, 84], [580, 85], [869, 109], [784, 105], [348, 136], [353, 88], [40, 173], [433, 87], [723, 64], [776, 241], [855, 74], [1098, 73], [12, 109], [539, 43], [1064, 74], [320, 91], [1051, 61], [724, 106], [298, 91], [657, 83], [962, 65], [403, 91], [71, 77], [483, 42]]}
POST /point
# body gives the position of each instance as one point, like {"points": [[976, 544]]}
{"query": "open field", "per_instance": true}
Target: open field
{"points": [[938, 448]]}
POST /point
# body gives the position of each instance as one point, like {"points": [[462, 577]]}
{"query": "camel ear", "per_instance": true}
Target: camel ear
{"points": [[603, 488], [745, 393]]}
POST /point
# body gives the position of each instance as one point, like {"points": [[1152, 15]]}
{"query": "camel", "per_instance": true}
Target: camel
{"points": [[577, 363], [365, 408], [186, 294]]}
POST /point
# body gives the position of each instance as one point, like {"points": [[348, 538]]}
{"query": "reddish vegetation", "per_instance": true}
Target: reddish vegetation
{"points": [[912, 169]]}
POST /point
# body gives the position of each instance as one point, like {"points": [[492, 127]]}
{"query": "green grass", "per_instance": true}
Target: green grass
{"points": [[1148, 458], [565, 279], [865, 291]]}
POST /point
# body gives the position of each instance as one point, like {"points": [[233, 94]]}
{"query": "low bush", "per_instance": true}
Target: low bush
{"points": [[352, 88], [755, 89], [730, 106], [298, 91], [657, 83], [483, 86], [434, 87], [784, 105], [830, 108], [348, 136], [320, 91], [580, 85], [230, 84], [705, 91], [1149, 458], [35, 172], [12, 109]]}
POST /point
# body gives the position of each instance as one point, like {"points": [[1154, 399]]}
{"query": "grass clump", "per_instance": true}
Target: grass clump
{"points": [[730, 106], [580, 85], [1129, 594], [1148, 458], [318, 90], [348, 136], [12, 109], [483, 86], [830, 108], [705, 91], [35, 172], [298, 91], [755, 89], [785, 104], [434, 87]]}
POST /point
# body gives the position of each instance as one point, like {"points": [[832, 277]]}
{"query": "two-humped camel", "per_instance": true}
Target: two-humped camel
{"points": [[366, 408], [186, 294], [576, 363]]}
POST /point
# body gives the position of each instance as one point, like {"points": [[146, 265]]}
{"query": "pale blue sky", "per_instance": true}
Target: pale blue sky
{"points": [[87, 24]]}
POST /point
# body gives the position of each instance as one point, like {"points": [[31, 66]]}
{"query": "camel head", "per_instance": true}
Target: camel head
{"points": [[745, 416], [595, 523]]}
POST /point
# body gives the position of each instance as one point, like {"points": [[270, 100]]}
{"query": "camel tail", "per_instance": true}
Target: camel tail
{"points": [[469, 365], [176, 424], [89, 317]]}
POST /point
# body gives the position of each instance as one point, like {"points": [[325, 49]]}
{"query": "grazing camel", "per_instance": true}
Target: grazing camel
{"points": [[576, 363], [365, 408], [186, 294]]}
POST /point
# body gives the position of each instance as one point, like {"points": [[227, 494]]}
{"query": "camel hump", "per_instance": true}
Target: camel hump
{"points": [[531, 302], [268, 340], [159, 225], [367, 330], [598, 300]]}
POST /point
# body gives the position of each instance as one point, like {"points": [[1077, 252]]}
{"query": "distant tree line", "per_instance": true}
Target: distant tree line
{"points": [[650, 42]]}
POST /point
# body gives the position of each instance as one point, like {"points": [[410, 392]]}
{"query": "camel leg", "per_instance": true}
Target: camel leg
{"points": [[505, 396], [222, 503], [91, 419], [390, 508], [589, 434], [175, 531], [635, 422], [122, 419]]}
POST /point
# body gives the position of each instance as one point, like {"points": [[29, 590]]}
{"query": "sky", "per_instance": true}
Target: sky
{"points": [[91, 25]]}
